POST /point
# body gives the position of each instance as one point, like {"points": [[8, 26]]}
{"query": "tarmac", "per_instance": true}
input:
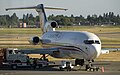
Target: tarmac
{"points": [[110, 68]]}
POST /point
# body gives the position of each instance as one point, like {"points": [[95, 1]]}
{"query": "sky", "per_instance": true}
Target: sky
{"points": [[75, 7]]}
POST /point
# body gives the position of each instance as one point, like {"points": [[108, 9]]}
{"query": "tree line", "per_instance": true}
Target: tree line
{"points": [[6, 20], [105, 19]]}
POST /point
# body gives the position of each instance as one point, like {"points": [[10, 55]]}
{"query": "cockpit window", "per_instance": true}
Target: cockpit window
{"points": [[91, 42], [97, 42]]}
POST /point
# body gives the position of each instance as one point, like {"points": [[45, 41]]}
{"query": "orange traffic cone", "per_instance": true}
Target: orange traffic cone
{"points": [[102, 69]]}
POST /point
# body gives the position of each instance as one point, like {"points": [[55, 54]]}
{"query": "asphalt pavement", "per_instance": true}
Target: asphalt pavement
{"points": [[110, 68]]}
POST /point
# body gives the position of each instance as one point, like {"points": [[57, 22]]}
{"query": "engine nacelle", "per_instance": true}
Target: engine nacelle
{"points": [[54, 24], [50, 26], [35, 40]]}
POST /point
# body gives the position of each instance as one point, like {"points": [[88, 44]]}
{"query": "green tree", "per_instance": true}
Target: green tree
{"points": [[24, 18], [27, 19], [14, 20], [31, 19]]}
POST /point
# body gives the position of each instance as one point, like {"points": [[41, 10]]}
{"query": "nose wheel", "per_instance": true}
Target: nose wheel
{"points": [[90, 67]]}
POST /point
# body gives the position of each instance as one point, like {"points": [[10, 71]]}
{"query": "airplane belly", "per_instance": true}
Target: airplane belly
{"points": [[68, 54]]}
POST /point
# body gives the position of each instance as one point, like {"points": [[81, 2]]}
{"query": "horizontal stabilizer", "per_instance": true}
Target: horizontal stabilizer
{"points": [[40, 6], [34, 7], [55, 8]]}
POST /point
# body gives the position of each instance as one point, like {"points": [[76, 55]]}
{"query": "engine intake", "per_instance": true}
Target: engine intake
{"points": [[50, 26], [53, 24], [35, 40]]}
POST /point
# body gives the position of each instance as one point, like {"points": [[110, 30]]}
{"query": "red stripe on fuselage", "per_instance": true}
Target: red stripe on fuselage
{"points": [[70, 49]]}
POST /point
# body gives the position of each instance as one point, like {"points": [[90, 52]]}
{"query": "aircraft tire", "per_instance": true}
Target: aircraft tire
{"points": [[14, 67], [79, 62]]}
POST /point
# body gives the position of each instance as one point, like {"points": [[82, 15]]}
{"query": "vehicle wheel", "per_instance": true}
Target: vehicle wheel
{"points": [[14, 67], [37, 67], [60, 68], [97, 69], [87, 67], [40, 65], [68, 68], [93, 69]]}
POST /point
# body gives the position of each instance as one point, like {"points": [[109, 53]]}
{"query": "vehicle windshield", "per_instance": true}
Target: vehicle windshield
{"points": [[91, 42]]}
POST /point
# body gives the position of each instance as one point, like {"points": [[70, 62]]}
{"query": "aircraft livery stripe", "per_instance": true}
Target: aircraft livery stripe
{"points": [[71, 48]]}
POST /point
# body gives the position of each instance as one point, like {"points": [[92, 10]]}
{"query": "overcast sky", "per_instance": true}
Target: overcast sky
{"points": [[75, 7]]}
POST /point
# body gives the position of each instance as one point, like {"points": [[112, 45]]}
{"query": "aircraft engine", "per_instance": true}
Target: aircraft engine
{"points": [[35, 40], [50, 26], [53, 24]]}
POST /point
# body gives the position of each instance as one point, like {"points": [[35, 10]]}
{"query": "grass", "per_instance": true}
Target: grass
{"points": [[94, 29], [18, 36], [20, 31], [112, 56]]}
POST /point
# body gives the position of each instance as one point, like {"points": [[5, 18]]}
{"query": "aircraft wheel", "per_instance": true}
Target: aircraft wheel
{"points": [[79, 62], [86, 67], [14, 67]]}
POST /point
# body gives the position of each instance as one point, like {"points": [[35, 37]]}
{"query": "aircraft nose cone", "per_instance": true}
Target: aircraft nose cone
{"points": [[95, 51]]}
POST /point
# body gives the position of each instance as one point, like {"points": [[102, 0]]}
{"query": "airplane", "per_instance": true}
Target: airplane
{"points": [[82, 46]]}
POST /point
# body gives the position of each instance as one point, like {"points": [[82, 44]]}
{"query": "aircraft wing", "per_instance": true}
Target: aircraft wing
{"points": [[39, 51]]}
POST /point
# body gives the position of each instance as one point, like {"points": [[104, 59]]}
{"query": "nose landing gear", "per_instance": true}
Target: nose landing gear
{"points": [[90, 67]]}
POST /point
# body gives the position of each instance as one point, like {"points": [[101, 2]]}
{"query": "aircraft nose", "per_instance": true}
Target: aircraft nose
{"points": [[98, 49], [95, 50]]}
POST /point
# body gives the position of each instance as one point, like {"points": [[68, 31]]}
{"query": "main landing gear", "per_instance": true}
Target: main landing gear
{"points": [[79, 62], [44, 57]]}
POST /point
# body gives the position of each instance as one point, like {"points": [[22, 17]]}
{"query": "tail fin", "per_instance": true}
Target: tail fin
{"points": [[40, 9]]}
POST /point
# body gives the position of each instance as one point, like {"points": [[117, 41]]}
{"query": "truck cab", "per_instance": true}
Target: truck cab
{"points": [[12, 55]]}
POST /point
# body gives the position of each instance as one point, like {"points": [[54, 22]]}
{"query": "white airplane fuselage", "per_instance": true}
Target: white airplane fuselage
{"points": [[81, 45]]}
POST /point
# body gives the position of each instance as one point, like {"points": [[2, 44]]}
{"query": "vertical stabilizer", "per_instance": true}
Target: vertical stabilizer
{"points": [[43, 19], [42, 16]]}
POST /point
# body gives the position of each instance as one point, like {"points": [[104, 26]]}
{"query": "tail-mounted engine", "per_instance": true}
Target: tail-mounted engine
{"points": [[50, 26]]}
